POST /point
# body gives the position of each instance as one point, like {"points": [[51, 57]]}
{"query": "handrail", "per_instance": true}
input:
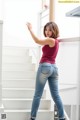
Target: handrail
{"points": [[72, 39]]}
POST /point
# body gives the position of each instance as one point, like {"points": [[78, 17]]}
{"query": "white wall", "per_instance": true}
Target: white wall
{"points": [[15, 15], [69, 26], [1, 8], [68, 57], [68, 62]]}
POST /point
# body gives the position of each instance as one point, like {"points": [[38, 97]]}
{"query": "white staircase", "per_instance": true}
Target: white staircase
{"points": [[18, 80]]}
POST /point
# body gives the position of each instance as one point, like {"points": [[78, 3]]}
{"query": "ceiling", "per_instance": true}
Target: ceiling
{"points": [[74, 13]]}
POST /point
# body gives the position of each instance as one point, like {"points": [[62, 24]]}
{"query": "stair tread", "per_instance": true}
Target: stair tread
{"points": [[26, 110], [17, 88], [23, 99], [18, 79], [17, 82]]}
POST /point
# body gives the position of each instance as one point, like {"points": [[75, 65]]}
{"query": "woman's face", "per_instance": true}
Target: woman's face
{"points": [[48, 32]]}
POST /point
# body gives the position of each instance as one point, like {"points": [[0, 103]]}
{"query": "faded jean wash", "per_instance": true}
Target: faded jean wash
{"points": [[47, 72]]}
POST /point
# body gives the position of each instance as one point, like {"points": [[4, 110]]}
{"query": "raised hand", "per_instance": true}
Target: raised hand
{"points": [[29, 25]]}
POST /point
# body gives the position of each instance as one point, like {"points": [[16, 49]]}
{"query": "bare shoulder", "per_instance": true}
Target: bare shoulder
{"points": [[51, 42]]}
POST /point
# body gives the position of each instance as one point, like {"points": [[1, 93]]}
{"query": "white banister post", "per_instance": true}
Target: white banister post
{"points": [[39, 35], [1, 63], [1, 105], [73, 112]]}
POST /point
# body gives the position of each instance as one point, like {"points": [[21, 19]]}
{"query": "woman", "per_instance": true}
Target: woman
{"points": [[47, 69]]}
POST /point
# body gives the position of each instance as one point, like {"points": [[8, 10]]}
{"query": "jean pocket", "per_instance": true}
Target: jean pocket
{"points": [[45, 69]]}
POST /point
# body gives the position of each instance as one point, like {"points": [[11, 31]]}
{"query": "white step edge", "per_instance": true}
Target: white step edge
{"points": [[16, 59], [20, 93], [18, 83], [15, 51], [18, 67], [24, 103], [25, 115], [18, 74]]}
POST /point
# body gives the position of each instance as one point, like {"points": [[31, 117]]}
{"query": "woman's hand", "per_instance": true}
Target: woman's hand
{"points": [[29, 26]]}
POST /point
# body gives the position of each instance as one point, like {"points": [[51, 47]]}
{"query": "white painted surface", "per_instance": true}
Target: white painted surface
{"points": [[68, 62], [69, 26], [1, 32], [25, 115], [18, 85], [16, 14]]}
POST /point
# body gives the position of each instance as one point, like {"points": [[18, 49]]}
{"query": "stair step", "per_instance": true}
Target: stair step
{"points": [[25, 115], [24, 104], [18, 51], [18, 67], [20, 93], [18, 83], [18, 74], [16, 59]]}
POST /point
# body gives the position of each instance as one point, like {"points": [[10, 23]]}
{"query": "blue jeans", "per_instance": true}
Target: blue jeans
{"points": [[47, 71]]}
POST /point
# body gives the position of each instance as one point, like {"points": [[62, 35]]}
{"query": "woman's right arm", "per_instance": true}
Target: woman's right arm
{"points": [[47, 41]]}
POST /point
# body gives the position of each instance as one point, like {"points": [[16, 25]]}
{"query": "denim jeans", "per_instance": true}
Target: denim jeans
{"points": [[47, 72]]}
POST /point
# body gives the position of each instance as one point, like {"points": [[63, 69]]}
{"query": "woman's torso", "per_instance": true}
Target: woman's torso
{"points": [[49, 53]]}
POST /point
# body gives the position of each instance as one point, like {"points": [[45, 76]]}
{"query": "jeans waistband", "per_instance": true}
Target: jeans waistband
{"points": [[45, 63]]}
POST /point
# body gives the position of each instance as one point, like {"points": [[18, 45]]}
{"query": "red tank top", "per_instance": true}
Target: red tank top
{"points": [[49, 53]]}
